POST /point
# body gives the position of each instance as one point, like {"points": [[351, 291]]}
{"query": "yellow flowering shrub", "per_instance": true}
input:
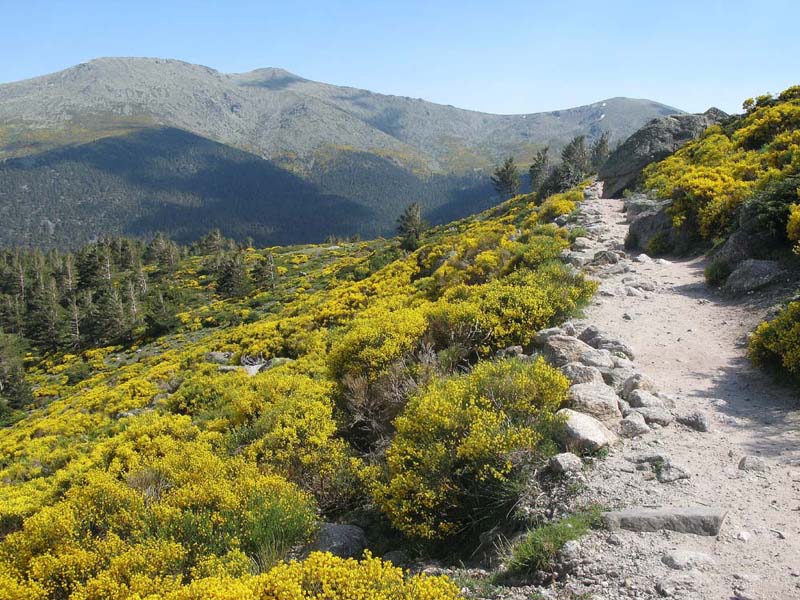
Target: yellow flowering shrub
{"points": [[776, 344], [559, 204], [458, 442]]}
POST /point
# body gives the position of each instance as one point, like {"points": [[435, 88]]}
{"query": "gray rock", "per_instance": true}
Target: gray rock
{"points": [[643, 258], [751, 275], [566, 462], [603, 341], [543, 335], [638, 381], [275, 362], [584, 433], [569, 328], [644, 399], [633, 425], [696, 420], [580, 373], [345, 541], [399, 558], [220, 358], [617, 376], [754, 464], [645, 285], [652, 415], [605, 257], [510, 351], [597, 400], [563, 349], [601, 359], [653, 142], [683, 560], [669, 473], [697, 520]]}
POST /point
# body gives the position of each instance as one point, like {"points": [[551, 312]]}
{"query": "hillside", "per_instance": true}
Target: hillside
{"points": [[375, 151]]}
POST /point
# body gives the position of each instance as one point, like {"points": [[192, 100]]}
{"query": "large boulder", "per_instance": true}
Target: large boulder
{"points": [[583, 433], [596, 399], [345, 541], [752, 275], [563, 349], [655, 141], [580, 373]]}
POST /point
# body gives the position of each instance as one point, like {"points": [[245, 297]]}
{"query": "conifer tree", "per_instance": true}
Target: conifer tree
{"points": [[539, 169], [600, 151], [410, 227], [232, 278], [506, 178]]}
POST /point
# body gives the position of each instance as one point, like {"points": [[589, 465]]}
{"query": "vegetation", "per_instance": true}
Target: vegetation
{"points": [[505, 178], [139, 466], [410, 227]]}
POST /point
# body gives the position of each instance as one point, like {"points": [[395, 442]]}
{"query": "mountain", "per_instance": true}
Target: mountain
{"points": [[122, 144]]}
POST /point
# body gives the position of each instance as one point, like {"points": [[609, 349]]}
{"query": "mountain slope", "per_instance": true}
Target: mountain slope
{"points": [[374, 151]]}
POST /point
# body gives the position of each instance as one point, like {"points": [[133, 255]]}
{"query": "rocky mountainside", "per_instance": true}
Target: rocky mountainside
{"points": [[655, 141], [375, 152]]}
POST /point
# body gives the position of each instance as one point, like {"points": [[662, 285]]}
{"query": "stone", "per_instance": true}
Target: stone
{"points": [[399, 558], [542, 336], [569, 328], [566, 462], [597, 358], [696, 420], [343, 540], [562, 349], [510, 351], [751, 275], [633, 425], [643, 258], [597, 400], [651, 415], [644, 285], [603, 341], [617, 376], [644, 399], [683, 560], [220, 358], [275, 362], [638, 381], [580, 373], [753, 464], [584, 433], [696, 520], [605, 257], [614, 540], [669, 473]]}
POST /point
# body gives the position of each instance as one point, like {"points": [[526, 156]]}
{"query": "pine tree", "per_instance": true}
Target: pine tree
{"points": [[410, 227], [232, 278], [600, 151], [264, 272], [15, 392], [506, 178], [539, 169]]}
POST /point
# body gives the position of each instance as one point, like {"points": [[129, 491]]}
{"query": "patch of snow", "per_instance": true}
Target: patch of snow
{"points": [[603, 104], [603, 116]]}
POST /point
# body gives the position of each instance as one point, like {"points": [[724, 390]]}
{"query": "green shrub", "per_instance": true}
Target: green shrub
{"points": [[453, 464], [660, 243], [631, 241], [775, 344], [537, 550], [717, 271]]}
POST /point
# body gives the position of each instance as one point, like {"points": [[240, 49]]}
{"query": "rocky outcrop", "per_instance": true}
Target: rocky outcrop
{"points": [[655, 141], [752, 275]]}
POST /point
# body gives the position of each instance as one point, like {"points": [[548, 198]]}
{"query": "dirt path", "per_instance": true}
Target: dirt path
{"points": [[691, 341]]}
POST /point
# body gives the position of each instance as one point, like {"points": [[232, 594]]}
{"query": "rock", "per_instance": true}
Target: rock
{"points": [[580, 373], [633, 292], [683, 560], [621, 362], [696, 420], [603, 341], [617, 376], [753, 463], [651, 415], [597, 400], [566, 462], [655, 141], [639, 381], [345, 541], [399, 558], [697, 520], [275, 362], [645, 285], [644, 399], [633, 425], [563, 349], [601, 359], [614, 540], [510, 351], [666, 588], [582, 243], [752, 275], [220, 358], [605, 257], [569, 328], [669, 473], [584, 433], [543, 335], [252, 370], [643, 258]]}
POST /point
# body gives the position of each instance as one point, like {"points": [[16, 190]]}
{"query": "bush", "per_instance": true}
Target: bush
{"points": [[462, 441], [559, 204], [660, 243], [717, 271], [538, 549], [775, 344]]}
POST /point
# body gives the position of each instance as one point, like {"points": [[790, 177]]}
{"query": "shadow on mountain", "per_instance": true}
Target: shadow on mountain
{"points": [[274, 83], [166, 180]]}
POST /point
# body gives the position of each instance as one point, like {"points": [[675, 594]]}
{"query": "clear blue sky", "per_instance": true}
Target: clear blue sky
{"points": [[500, 56]]}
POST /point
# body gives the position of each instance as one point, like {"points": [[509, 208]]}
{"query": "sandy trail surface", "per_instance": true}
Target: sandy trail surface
{"points": [[691, 340]]}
